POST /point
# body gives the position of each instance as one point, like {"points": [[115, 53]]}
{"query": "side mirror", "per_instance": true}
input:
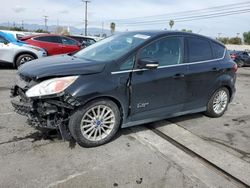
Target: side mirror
{"points": [[148, 63]]}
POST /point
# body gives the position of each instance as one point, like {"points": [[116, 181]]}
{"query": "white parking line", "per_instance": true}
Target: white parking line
{"points": [[7, 113], [231, 164]]}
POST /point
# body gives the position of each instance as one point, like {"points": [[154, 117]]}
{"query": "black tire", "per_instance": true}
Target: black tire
{"points": [[240, 63], [21, 59], [211, 112], [76, 120]]}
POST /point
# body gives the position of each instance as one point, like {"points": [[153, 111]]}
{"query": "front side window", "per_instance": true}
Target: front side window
{"points": [[198, 49], [68, 41], [166, 51], [112, 48], [128, 64]]}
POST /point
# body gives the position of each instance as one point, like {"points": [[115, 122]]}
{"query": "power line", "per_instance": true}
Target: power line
{"points": [[190, 18], [183, 13]]}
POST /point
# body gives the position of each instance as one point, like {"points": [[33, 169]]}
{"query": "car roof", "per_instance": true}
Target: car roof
{"points": [[156, 33], [45, 34]]}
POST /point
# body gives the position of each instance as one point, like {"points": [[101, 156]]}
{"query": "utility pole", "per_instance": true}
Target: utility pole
{"points": [[45, 22], [86, 16], [22, 25], [102, 27]]}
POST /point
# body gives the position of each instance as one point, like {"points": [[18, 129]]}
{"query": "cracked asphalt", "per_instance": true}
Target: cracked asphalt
{"points": [[137, 157]]}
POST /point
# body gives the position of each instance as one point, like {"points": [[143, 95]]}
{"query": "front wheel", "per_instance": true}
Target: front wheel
{"points": [[95, 123], [23, 59], [218, 103]]}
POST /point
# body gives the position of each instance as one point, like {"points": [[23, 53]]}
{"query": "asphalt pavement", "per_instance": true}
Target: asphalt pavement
{"points": [[188, 151]]}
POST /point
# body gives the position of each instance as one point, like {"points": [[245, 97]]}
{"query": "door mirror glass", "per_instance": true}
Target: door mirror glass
{"points": [[147, 63]]}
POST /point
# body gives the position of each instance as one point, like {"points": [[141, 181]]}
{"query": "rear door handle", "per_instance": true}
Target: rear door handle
{"points": [[179, 75], [215, 69]]}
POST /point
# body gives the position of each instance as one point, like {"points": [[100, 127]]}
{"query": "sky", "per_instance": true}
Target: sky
{"points": [[71, 13]]}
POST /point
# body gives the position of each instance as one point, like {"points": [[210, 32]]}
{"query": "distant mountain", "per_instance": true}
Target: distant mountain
{"points": [[52, 28]]}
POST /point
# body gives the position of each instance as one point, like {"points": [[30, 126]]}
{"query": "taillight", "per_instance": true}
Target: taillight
{"points": [[233, 56], [235, 67]]}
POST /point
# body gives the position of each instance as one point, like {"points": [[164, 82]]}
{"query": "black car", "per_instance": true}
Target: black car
{"points": [[242, 58], [125, 80], [84, 40]]}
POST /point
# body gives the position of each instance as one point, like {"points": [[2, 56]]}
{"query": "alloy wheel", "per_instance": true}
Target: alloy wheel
{"points": [[97, 123], [220, 101]]}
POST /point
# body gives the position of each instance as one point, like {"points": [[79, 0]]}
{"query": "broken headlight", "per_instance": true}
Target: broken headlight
{"points": [[51, 86]]}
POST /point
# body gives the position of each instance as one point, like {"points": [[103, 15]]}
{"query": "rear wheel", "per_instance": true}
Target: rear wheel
{"points": [[240, 63], [96, 123], [23, 59], [218, 103]]}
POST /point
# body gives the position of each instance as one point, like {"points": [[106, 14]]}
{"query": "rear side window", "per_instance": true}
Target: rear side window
{"points": [[218, 50], [53, 39], [198, 50]]}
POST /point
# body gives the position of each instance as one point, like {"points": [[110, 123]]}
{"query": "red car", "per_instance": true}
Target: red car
{"points": [[53, 44]]}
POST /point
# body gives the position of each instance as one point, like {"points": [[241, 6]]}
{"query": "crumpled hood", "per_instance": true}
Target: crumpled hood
{"points": [[61, 65]]}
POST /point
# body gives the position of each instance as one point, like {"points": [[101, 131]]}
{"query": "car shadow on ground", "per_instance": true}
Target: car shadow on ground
{"points": [[161, 123], [53, 135], [5, 67]]}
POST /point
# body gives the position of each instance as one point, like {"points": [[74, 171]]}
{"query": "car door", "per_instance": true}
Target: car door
{"points": [[52, 44], [246, 58], [203, 59], [69, 45], [161, 91], [6, 51]]}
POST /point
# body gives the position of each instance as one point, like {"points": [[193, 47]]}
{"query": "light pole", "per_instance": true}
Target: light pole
{"points": [[45, 23], [86, 15]]}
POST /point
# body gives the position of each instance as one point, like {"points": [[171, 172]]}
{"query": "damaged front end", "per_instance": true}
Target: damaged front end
{"points": [[43, 112]]}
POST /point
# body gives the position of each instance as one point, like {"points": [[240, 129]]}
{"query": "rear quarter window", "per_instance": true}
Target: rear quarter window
{"points": [[218, 50], [198, 49]]}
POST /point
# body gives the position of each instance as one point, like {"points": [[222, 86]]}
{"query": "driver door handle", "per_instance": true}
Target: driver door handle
{"points": [[179, 75]]}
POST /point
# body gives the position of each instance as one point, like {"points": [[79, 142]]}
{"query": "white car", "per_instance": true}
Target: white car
{"points": [[16, 52]]}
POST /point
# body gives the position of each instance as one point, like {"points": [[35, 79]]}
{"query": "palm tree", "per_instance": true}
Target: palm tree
{"points": [[171, 23], [112, 28]]}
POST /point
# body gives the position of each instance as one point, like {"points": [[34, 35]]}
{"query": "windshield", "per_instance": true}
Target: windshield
{"points": [[112, 47]]}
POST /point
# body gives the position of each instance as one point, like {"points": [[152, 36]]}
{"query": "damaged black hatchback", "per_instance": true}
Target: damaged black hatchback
{"points": [[125, 80]]}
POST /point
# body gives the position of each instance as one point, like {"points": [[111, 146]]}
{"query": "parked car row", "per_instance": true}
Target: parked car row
{"points": [[17, 48], [53, 44], [242, 58], [15, 52]]}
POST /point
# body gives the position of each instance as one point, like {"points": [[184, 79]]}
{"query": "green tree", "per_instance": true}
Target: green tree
{"points": [[171, 23], [246, 37], [112, 28], [41, 31], [224, 40], [235, 40]]}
